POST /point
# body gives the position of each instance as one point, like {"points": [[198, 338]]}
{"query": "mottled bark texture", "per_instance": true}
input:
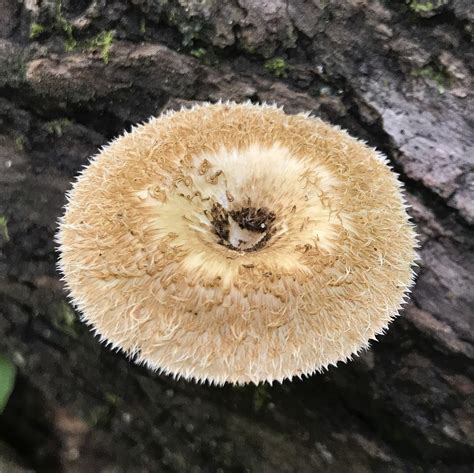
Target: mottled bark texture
{"points": [[74, 74]]}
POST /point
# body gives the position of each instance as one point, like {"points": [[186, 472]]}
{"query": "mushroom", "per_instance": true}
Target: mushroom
{"points": [[236, 243]]}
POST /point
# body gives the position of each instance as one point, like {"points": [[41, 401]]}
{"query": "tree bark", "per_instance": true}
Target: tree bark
{"points": [[74, 74]]}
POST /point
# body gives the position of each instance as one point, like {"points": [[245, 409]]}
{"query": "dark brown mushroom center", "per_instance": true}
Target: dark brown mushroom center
{"points": [[246, 229]]}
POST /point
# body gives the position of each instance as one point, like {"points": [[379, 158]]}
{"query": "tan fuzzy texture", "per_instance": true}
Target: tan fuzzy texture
{"points": [[235, 243]]}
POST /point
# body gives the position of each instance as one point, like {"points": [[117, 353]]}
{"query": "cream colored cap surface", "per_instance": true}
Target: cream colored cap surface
{"points": [[235, 243]]}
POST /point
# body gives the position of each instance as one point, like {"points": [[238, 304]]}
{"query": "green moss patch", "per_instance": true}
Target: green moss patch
{"points": [[103, 43], [437, 75], [36, 29], [425, 6], [57, 127], [277, 66]]}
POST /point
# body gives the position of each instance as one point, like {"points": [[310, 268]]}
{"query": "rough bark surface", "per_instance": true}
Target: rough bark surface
{"points": [[74, 74]]}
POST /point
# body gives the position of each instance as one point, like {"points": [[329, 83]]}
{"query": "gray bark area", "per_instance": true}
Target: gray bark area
{"points": [[397, 74]]}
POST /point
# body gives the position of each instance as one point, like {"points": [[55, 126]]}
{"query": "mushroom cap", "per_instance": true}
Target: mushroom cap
{"points": [[236, 243]]}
